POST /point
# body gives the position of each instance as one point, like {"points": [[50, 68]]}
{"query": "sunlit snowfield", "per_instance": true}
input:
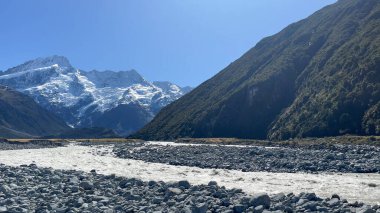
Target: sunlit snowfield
{"points": [[352, 186]]}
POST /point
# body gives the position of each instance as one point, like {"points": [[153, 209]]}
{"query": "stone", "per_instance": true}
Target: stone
{"points": [[322, 209], [259, 209], [301, 201], [74, 180], [288, 209], [157, 200], [3, 209], [239, 208], [5, 189], [152, 183], [333, 202], [124, 183], [366, 209], [212, 183], [294, 199], [260, 199], [311, 196], [311, 206], [184, 183], [199, 208], [335, 196], [171, 202], [181, 197], [278, 197], [55, 179], [79, 202], [75, 189], [173, 191], [86, 185]]}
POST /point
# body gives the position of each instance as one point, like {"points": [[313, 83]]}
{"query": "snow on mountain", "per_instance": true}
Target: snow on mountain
{"points": [[81, 98]]}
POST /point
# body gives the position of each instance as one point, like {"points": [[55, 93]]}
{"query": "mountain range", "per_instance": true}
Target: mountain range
{"points": [[317, 77], [122, 101]]}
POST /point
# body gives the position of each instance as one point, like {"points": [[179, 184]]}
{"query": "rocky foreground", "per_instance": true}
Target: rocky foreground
{"points": [[32, 189], [308, 158]]}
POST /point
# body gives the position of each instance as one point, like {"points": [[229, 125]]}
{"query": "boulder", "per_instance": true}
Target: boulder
{"points": [[86, 185], [260, 199]]}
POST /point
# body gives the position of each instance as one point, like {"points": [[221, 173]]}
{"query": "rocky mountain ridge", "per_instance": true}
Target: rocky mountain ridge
{"points": [[123, 101]]}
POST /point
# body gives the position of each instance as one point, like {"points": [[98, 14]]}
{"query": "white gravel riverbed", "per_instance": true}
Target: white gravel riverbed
{"points": [[353, 187]]}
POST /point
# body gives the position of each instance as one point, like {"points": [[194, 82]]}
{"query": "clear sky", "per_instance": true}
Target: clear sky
{"points": [[183, 41]]}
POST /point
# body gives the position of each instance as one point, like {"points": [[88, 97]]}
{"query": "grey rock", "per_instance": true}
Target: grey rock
{"points": [[260, 199], [311, 206], [333, 202], [278, 197], [55, 179], [86, 185], [259, 209], [301, 201], [170, 202], [157, 200], [199, 208], [239, 208], [212, 183], [288, 209], [184, 183], [74, 180], [173, 191], [152, 183], [5, 189], [366, 209], [335, 196], [3, 209], [310, 196], [75, 189]]}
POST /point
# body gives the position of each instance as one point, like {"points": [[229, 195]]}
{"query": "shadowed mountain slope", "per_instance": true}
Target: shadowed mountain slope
{"points": [[21, 117], [317, 77]]}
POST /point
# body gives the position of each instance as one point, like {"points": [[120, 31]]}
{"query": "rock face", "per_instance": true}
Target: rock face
{"points": [[21, 117], [123, 101], [317, 77]]}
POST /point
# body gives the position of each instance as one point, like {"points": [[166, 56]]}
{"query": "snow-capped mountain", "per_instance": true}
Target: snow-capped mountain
{"points": [[123, 101]]}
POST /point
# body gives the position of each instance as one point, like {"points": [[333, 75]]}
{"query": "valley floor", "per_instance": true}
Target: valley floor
{"points": [[107, 160]]}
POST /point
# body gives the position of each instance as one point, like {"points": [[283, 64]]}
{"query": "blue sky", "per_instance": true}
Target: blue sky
{"points": [[183, 41]]}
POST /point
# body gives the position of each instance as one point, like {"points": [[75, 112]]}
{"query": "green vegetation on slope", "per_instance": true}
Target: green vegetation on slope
{"points": [[317, 77]]}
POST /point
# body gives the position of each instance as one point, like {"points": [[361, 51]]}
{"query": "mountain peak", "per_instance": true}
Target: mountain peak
{"points": [[110, 78], [37, 63], [51, 60]]}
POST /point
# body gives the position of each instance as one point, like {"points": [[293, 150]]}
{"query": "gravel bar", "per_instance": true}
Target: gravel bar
{"points": [[37, 144], [29, 188], [310, 159]]}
